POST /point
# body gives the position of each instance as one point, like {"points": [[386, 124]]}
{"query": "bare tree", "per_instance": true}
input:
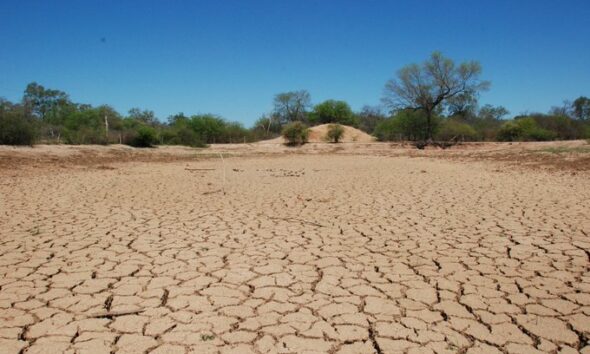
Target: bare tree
{"points": [[581, 108], [430, 86], [291, 106]]}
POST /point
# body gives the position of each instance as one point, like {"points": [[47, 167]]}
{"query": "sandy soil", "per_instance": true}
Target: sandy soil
{"points": [[354, 248], [317, 134]]}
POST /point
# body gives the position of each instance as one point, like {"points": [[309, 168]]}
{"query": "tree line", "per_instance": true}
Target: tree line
{"points": [[436, 100]]}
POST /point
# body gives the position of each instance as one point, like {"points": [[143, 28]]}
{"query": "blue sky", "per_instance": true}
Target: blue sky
{"points": [[231, 57]]}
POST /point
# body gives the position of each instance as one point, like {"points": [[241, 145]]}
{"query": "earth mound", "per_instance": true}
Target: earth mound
{"points": [[318, 133]]}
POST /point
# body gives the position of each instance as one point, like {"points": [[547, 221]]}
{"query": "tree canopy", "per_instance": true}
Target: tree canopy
{"points": [[432, 85], [581, 108], [291, 106], [333, 111], [433, 100]]}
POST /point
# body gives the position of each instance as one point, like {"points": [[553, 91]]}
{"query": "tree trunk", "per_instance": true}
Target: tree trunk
{"points": [[429, 126], [106, 127]]}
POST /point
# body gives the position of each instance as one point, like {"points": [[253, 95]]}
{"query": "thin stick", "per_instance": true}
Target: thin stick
{"points": [[211, 192], [223, 161]]}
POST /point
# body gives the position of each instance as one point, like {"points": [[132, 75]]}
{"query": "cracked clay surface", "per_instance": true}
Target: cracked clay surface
{"points": [[302, 254]]}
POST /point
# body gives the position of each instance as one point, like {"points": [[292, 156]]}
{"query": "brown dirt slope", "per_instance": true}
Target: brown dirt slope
{"points": [[317, 135]]}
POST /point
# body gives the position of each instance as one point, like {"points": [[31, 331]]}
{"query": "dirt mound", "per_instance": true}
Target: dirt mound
{"points": [[317, 135]]}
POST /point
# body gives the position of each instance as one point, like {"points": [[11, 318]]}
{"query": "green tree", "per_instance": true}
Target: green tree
{"points": [[462, 106], [388, 130], [87, 126], [581, 108], [234, 132], [41, 103], [333, 111], [524, 129], [454, 130], [15, 127], [561, 125], [431, 85], [176, 118], [144, 116], [406, 125], [145, 136], [488, 121], [180, 132], [209, 127]]}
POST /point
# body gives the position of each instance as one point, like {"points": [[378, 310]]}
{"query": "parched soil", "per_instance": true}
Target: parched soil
{"points": [[326, 249]]}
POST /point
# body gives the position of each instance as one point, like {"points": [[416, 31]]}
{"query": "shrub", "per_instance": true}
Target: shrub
{"points": [[295, 133], [16, 130], [210, 127], [524, 129], [144, 137], [190, 138], [388, 130], [335, 132], [369, 118], [453, 130], [266, 128], [182, 136], [84, 135], [406, 125], [539, 134], [234, 132], [562, 127], [509, 131]]}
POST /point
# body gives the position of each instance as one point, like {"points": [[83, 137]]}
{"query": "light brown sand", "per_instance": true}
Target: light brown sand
{"points": [[354, 251], [317, 134]]}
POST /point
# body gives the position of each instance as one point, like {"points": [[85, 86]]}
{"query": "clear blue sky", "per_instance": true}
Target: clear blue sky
{"points": [[231, 57]]}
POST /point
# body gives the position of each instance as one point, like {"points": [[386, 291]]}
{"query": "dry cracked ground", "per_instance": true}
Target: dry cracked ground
{"points": [[301, 254]]}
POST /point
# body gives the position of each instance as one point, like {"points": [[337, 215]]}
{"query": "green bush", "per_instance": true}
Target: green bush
{"points": [[16, 130], [369, 117], [540, 134], [453, 130], [210, 127], [524, 129], [509, 131], [388, 130], [562, 127], [266, 128], [295, 133], [234, 132], [144, 136], [182, 136], [84, 135], [190, 138], [335, 133], [405, 125], [333, 111]]}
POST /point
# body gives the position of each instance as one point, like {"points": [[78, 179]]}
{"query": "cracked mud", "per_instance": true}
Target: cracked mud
{"points": [[302, 254]]}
